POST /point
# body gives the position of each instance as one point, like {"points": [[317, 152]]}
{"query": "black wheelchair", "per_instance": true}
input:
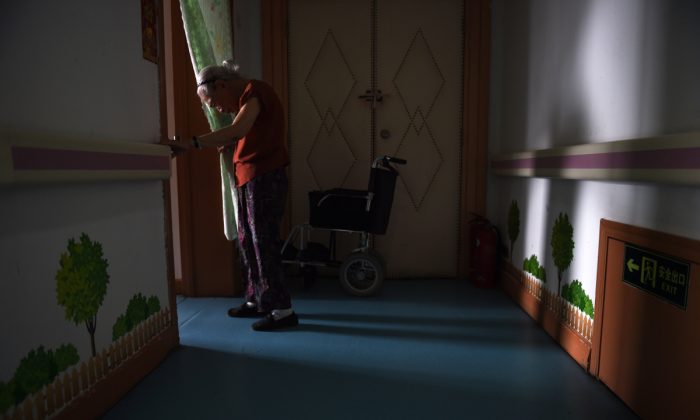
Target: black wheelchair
{"points": [[363, 212]]}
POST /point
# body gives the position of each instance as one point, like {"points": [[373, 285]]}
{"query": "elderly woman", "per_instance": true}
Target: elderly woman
{"points": [[260, 156]]}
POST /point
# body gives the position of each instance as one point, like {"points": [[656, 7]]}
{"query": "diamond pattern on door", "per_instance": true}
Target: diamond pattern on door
{"points": [[331, 158], [418, 99], [419, 141]]}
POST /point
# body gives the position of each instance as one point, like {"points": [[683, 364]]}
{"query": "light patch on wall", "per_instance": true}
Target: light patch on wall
{"points": [[636, 204], [534, 220], [620, 71], [586, 224]]}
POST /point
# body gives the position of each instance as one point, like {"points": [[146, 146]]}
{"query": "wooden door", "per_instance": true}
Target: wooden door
{"points": [[645, 349], [412, 52]]}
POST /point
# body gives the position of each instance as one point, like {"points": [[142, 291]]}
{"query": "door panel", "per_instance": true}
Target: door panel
{"points": [[420, 73], [329, 127], [329, 67], [417, 64]]}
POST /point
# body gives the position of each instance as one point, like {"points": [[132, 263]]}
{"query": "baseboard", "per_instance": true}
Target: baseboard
{"points": [[179, 287], [113, 387], [576, 345]]}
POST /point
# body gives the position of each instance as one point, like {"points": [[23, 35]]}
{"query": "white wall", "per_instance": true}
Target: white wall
{"points": [[583, 71], [76, 69]]}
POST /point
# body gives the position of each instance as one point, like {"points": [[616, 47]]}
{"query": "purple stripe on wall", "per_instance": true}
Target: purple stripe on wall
{"points": [[40, 159], [687, 158]]}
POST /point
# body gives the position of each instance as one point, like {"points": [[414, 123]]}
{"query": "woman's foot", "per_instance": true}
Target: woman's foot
{"points": [[246, 310], [276, 320]]}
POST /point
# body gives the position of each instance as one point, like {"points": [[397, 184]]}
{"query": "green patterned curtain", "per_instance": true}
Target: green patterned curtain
{"points": [[208, 29]]}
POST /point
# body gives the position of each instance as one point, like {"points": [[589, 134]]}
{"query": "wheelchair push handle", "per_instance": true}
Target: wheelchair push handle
{"points": [[396, 160], [386, 160]]}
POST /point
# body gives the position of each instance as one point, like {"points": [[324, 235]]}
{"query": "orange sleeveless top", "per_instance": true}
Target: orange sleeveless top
{"points": [[264, 147]]}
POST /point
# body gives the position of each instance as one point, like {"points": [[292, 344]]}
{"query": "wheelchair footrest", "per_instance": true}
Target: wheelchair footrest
{"points": [[315, 252]]}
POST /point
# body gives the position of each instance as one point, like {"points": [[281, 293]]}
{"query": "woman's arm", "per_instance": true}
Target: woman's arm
{"points": [[241, 125]]}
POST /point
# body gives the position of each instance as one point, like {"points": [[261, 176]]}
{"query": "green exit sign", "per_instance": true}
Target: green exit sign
{"points": [[664, 277]]}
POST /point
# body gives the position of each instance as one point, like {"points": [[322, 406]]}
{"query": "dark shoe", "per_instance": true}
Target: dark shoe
{"points": [[245, 311], [269, 323]]}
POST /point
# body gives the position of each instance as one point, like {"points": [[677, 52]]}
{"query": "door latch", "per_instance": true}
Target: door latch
{"points": [[373, 96]]}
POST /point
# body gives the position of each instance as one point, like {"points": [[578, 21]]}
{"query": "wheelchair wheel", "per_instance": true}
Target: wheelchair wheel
{"points": [[361, 274]]}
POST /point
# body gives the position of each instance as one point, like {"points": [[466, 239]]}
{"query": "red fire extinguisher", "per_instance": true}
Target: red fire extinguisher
{"points": [[484, 250]]}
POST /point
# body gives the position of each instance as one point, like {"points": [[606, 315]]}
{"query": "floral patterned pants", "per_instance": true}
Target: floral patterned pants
{"points": [[261, 203]]}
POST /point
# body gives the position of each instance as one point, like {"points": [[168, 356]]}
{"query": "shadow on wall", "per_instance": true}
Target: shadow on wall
{"points": [[514, 72], [673, 57], [40, 208], [678, 59], [541, 98], [567, 118], [669, 63]]}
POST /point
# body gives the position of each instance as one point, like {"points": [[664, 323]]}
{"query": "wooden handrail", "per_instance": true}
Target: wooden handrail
{"points": [[44, 158], [664, 159]]}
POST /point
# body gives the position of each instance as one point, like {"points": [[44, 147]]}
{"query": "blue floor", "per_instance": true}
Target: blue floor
{"points": [[421, 349]]}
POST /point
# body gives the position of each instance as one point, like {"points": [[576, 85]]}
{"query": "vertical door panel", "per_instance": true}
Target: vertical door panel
{"points": [[420, 73], [329, 127]]}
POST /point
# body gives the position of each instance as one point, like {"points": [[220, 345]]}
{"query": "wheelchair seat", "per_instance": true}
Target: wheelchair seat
{"points": [[355, 210]]}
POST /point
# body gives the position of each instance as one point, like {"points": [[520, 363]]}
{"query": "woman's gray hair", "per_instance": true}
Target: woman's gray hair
{"points": [[228, 70]]}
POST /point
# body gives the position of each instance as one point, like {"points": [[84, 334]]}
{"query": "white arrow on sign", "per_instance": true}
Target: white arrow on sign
{"points": [[631, 266]]}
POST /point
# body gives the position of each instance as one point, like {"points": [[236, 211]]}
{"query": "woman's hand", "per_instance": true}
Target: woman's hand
{"points": [[239, 128], [177, 147]]}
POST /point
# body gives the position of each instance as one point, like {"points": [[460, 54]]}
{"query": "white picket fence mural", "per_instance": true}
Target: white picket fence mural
{"points": [[572, 316], [73, 383]]}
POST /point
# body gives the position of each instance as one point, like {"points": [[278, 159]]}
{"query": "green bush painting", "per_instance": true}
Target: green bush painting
{"points": [[81, 283], [37, 369], [137, 311], [532, 266], [575, 294], [562, 245]]}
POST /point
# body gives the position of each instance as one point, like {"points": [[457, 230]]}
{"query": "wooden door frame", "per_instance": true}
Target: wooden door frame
{"points": [[176, 92], [164, 60], [175, 121], [477, 46]]}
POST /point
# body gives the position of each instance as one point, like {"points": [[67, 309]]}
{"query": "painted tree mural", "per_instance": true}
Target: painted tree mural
{"points": [[137, 311], [81, 283], [36, 370], [513, 225], [562, 245]]}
